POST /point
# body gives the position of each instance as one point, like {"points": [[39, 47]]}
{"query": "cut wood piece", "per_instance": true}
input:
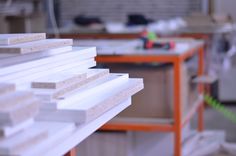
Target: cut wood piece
{"points": [[24, 82], [21, 141], [36, 46], [15, 98], [14, 115], [57, 133], [107, 100], [55, 93], [12, 59], [8, 39], [50, 94], [58, 80], [75, 55], [88, 84], [92, 75], [6, 88], [89, 109], [85, 92], [100, 84], [10, 130]]}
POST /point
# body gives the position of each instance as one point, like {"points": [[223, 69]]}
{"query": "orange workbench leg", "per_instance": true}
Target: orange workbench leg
{"points": [[72, 152], [177, 109], [201, 88]]}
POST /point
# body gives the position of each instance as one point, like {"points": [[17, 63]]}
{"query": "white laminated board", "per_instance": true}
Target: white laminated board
{"points": [[7, 131], [57, 133], [22, 140], [82, 92], [76, 54], [34, 73], [50, 94], [105, 102], [93, 74], [25, 82], [14, 98], [35, 46], [56, 93], [57, 80], [19, 113], [100, 85], [6, 88], [12, 59], [90, 108], [9, 39]]}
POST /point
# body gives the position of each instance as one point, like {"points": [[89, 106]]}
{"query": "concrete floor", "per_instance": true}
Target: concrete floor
{"points": [[216, 121]]}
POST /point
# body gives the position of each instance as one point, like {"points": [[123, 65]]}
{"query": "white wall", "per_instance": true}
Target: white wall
{"points": [[226, 6]]}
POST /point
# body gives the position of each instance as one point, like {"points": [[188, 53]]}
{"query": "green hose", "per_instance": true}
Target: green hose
{"points": [[220, 108]]}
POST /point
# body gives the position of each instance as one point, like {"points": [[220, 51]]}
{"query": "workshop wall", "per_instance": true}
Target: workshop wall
{"points": [[116, 10]]}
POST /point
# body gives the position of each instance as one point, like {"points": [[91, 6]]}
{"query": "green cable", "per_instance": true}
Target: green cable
{"points": [[220, 108]]}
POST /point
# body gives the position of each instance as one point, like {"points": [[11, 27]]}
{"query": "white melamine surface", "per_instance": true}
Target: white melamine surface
{"points": [[134, 47]]}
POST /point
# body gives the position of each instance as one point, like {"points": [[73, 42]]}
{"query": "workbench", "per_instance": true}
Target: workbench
{"points": [[187, 49]]}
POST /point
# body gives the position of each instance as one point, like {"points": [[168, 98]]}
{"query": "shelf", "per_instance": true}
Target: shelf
{"points": [[139, 124]]}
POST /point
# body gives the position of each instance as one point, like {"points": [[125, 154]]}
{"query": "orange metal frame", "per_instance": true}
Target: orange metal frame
{"points": [[179, 122]]}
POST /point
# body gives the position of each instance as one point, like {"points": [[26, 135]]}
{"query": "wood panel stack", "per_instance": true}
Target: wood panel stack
{"points": [[72, 93], [18, 130], [17, 107]]}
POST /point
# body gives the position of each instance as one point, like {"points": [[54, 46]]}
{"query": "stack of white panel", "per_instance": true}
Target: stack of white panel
{"points": [[62, 78], [16, 109], [18, 130]]}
